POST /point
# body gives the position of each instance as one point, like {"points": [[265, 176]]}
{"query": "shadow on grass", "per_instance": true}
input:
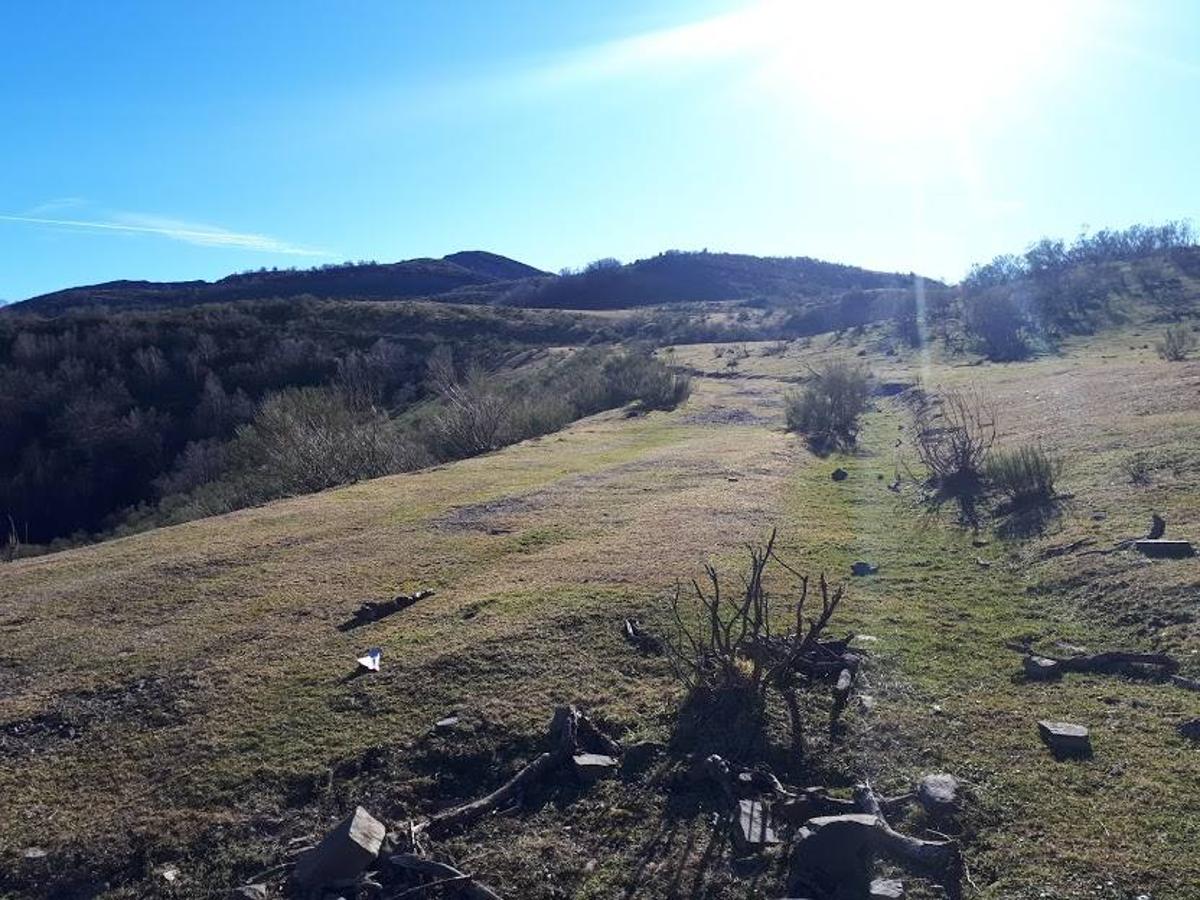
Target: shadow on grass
{"points": [[1028, 518]]}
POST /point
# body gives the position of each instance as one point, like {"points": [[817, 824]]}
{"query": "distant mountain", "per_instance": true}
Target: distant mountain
{"points": [[478, 277], [410, 278]]}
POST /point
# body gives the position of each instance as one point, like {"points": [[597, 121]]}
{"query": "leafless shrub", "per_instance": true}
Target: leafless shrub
{"points": [[953, 439], [1176, 344], [726, 644], [476, 412], [12, 542]]}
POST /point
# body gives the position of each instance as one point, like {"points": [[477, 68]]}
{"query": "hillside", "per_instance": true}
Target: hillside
{"points": [[677, 277], [480, 277], [207, 657]]}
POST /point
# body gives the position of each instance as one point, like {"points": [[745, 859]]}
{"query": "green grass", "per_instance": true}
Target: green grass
{"points": [[537, 553]]}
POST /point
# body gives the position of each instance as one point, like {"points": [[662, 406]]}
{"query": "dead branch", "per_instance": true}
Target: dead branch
{"points": [[1110, 662], [940, 859], [446, 874], [563, 734]]}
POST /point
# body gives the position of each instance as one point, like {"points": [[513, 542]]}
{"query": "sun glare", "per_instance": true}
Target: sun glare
{"points": [[906, 66]]}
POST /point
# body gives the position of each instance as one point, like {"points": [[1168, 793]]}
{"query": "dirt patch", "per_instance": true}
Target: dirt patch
{"points": [[146, 703], [724, 415], [490, 517]]}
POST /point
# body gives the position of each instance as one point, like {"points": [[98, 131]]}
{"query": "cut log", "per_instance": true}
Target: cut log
{"points": [[445, 873], [343, 853], [374, 610], [841, 695], [1044, 668], [1041, 668], [834, 856], [1188, 684], [1165, 549]]}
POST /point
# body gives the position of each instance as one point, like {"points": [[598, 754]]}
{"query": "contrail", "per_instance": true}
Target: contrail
{"points": [[207, 237]]}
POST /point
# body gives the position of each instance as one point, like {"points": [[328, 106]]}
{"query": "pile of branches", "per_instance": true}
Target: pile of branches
{"points": [[835, 840], [725, 643], [345, 858]]}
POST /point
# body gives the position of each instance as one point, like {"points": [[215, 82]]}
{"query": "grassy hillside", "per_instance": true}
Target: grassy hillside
{"points": [[206, 658]]}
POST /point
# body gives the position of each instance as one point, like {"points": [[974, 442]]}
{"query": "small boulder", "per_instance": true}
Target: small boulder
{"points": [[861, 568], [1065, 738], [594, 766], [1039, 668], [446, 725], [344, 852], [1190, 729], [753, 827], [938, 794], [839, 474], [887, 889], [249, 892]]}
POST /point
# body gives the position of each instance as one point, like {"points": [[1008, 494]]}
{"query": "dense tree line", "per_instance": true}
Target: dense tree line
{"points": [[1015, 303], [676, 276], [106, 411]]}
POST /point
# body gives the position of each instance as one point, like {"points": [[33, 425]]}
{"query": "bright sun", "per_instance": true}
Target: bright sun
{"points": [[914, 66]]}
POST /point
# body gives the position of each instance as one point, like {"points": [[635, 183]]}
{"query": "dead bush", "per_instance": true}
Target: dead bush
{"points": [[954, 435], [727, 649], [1176, 344]]}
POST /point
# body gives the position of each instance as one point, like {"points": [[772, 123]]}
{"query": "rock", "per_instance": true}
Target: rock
{"points": [[33, 853], [249, 892], [753, 827], [1066, 739], [834, 855], [887, 889], [839, 474], [1038, 668], [861, 568], [169, 874], [938, 793], [447, 724], [1165, 549], [344, 852], [593, 766], [1190, 729]]}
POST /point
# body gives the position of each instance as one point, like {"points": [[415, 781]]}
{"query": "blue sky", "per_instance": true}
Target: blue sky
{"points": [[174, 140]]}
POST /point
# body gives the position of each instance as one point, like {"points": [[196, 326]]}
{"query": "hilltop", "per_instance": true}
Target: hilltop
{"points": [[409, 278], [477, 276]]}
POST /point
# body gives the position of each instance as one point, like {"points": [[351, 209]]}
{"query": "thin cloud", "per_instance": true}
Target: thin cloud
{"points": [[187, 232]]}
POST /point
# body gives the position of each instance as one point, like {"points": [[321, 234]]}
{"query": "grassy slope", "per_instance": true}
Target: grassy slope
{"points": [[205, 659]]}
